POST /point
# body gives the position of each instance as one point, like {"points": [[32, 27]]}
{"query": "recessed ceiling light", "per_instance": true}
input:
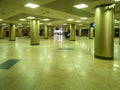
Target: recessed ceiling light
{"points": [[77, 21], [80, 6], [22, 19], [30, 17], [83, 18], [70, 19], [46, 19], [117, 0], [31, 5]]}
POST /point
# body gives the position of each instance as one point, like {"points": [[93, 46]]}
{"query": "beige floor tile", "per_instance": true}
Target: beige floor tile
{"points": [[58, 65]]}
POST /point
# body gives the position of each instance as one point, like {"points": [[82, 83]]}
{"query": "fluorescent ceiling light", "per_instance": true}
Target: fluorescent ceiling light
{"points": [[116, 26], [83, 18], [70, 19], [117, 0], [4, 24], [46, 19], [19, 24], [49, 24], [31, 5], [28, 26], [80, 24], [77, 21], [30, 17], [1, 19], [22, 19], [80, 6], [116, 65], [65, 24], [41, 23], [116, 21]]}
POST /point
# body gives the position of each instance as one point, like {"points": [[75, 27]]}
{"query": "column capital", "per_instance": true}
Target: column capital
{"points": [[107, 6]]}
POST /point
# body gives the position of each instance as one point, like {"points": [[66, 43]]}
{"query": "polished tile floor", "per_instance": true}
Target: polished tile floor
{"points": [[58, 65]]}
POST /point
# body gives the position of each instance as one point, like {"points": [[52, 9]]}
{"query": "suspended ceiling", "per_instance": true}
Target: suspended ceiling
{"points": [[58, 11]]}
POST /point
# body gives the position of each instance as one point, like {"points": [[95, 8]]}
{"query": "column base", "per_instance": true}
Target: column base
{"points": [[72, 40], [11, 40], [102, 57], [35, 44]]}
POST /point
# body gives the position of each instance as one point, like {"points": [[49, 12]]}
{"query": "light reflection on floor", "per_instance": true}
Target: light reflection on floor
{"points": [[45, 67]]}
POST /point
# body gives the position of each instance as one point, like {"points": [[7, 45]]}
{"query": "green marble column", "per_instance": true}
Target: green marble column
{"points": [[20, 32], [50, 31], [12, 32], [29, 32], [91, 33], [72, 32], [46, 32], [119, 33], [34, 29], [80, 32], [67, 28], [1, 32], [104, 28]]}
